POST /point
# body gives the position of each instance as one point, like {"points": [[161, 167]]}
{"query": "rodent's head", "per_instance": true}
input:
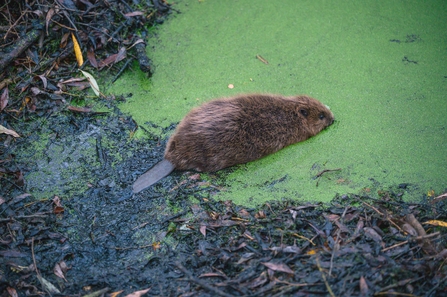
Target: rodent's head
{"points": [[317, 115]]}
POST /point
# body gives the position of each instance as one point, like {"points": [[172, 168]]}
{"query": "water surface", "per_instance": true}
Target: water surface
{"points": [[381, 66]]}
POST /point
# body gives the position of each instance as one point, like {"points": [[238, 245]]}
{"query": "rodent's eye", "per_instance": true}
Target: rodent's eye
{"points": [[304, 112], [322, 116]]}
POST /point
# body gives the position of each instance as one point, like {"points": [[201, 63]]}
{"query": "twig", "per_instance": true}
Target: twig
{"points": [[401, 283], [334, 250], [324, 278], [318, 176], [122, 70], [386, 217], [413, 239], [201, 283], [437, 285]]}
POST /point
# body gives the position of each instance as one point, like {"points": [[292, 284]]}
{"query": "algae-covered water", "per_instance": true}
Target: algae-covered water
{"points": [[380, 65]]}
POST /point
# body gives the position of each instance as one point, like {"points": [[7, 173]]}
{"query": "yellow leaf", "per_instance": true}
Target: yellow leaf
{"points": [[311, 252], [4, 130], [437, 223], [77, 50], [431, 193], [92, 82]]}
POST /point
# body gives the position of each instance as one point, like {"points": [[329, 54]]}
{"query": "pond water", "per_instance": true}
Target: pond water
{"points": [[381, 66]]}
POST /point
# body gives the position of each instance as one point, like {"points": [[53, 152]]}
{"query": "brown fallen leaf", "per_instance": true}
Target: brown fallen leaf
{"points": [[259, 281], [278, 267], [91, 58], [114, 294], [138, 293], [4, 130], [363, 287], [79, 109], [203, 230], [58, 208], [12, 292], [60, 269]]}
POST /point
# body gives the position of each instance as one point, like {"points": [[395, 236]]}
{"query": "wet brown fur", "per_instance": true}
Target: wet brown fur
{"points": [[229, 131]]}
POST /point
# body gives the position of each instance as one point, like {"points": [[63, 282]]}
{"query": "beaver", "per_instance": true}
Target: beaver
{"points": [[229, 131]]}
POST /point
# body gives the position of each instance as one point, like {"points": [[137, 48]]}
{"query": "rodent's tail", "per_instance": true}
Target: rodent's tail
{"points": [[153, 175]]}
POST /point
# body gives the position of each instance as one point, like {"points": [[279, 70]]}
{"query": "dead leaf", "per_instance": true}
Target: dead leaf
{"points": [[121, 54], [260, 215], [245, 257], [134, 13], [77, 50], [79, 109], [44, 81], [244, 213], [332, 217], [211, 274], [260, 280], [137, 42], [64, 40], [60, 269], [114, 294], [12, 292], [4, 99], [49, 287], [363, 287], [138, 293], [112, 59], [437, 223], [92, 82], [203, 230], [36, 91], [281, 267], [48, 18], [91, 58], [311, 252], [4, 130]]}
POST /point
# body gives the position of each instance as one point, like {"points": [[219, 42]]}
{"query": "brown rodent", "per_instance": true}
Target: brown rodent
{"points": [[229, 131]]}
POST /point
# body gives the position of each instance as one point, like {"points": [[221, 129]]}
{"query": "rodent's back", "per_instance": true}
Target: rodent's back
{"points": [[230, 131]]}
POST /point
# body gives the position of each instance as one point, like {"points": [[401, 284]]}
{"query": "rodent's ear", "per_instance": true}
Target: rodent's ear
{"points": [[304, 112]]}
